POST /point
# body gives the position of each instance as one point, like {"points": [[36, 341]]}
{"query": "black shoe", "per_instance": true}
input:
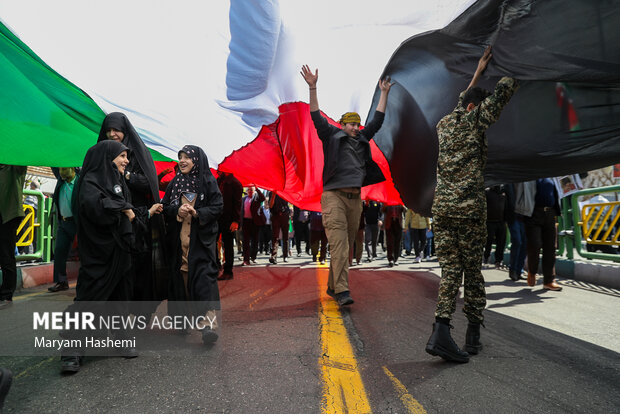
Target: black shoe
{"points": [[472, 339], [70, 363], [441, 344], [128, 352], [314, 258], [59, 286], [6, 377], [391, 263], [209, 336], [331, 293], [344, 298], [513, 275], [272, 260], [225, 276]]}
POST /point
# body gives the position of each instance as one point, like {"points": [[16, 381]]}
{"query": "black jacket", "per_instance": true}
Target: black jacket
{"points": [[331, 137]]}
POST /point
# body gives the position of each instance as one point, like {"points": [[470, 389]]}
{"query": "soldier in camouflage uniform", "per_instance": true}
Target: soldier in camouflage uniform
{"points": [[459, 210]]}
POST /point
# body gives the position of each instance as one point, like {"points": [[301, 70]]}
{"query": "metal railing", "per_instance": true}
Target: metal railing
{"points": [[594, 224], [40, 229]]}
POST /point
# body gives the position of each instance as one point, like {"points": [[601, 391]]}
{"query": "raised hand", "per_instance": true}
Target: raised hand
{"points": [[310, 78], [385, 84], [484, 60]]}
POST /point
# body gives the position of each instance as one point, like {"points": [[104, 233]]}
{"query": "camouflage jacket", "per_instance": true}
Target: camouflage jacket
{"points": [[463, 154]]}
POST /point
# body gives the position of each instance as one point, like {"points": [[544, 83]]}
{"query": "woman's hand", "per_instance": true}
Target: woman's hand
{"points": [[192, 211], [130, 214], [183, 212], [156, 209]]}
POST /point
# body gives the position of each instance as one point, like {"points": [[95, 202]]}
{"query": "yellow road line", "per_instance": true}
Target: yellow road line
{"points": [[29, 369], [412, 405], [343, 389], [43, 292]]}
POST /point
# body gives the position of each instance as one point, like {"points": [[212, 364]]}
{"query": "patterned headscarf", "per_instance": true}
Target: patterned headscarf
{"points": [[350, 117], [187, 183]]}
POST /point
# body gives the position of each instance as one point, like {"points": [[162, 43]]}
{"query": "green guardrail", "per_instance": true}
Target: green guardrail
{"points": [[42, 231], [570, 230]]}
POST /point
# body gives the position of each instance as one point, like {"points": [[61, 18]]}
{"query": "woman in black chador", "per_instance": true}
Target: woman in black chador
{"points": [[192, 205], [105, 224], [149, 268]]}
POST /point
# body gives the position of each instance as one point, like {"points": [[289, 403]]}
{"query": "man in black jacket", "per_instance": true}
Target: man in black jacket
{"points": [[232, 191], [348, 166]]}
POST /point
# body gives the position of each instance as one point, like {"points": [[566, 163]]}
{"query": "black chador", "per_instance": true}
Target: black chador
{"points": [[104, 232], [149, 264], [193, 239], [101, 204]]}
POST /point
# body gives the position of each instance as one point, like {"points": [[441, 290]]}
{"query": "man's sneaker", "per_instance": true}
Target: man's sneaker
{"points": [[344, 298], [58, 287], [391, 263], [331, 293]]}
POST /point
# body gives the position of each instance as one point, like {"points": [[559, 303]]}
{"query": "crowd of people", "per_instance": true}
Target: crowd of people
{"points": [[134, 246]]}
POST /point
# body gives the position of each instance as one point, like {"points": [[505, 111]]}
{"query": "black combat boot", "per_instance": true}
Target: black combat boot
{"points": [[472, 338], [441, 344]]}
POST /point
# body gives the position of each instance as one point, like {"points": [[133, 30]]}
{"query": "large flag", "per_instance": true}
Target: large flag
{"points": [[216, 74], [564, 119], [225, 76]]}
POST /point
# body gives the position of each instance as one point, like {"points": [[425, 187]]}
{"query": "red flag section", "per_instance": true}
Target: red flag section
{"points": [[287, 157]]}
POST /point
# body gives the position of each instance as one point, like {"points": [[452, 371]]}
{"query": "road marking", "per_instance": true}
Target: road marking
{"points": [[258, 299], [27, 370], [343, 389], [410, 403], [29, 295]]}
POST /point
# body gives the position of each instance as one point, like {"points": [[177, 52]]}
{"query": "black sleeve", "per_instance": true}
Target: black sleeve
{"points": [[374, 125], [323, 128], [237, 193], [212, 209]]}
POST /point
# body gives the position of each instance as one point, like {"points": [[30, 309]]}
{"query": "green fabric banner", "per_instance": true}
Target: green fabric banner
{"points": [[45, 120]]}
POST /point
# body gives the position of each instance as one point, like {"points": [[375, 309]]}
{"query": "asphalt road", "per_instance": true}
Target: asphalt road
{"points": [[286, 348]]}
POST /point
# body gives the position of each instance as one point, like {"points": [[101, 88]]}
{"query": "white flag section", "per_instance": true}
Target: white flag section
{"points": [[211, 73]]}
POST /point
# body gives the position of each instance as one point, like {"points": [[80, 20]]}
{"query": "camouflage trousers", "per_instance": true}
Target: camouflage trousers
{"points": [[459, 243]]}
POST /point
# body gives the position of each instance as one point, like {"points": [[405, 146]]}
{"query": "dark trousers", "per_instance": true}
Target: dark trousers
{"points": [[279, 222], [540, 233], [8, 238], [301, 234], [64, 239], [250, 240], [393, 236], [418, 238], [317, 237], [229, 249], [518, 248], [496, 233], [264, 239], [372, 232]]}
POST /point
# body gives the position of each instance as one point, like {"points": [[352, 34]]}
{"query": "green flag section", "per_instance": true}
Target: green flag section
{"points": [[45, 120]]}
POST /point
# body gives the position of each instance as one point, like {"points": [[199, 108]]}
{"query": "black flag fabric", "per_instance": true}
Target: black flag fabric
{"points": [[564, 119]]}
